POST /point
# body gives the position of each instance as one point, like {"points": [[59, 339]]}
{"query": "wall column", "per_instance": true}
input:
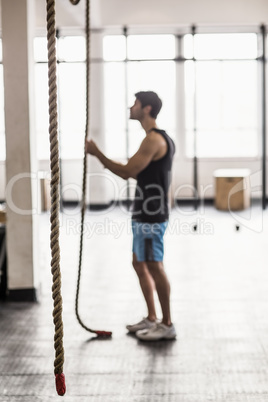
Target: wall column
{"points": [[18, 19]]}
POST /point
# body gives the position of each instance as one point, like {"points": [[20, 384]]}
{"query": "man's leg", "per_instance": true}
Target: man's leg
{"points": [[147, 286], [156, 269]]}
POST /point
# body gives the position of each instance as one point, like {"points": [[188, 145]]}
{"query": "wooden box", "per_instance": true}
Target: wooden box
{"points": [[232, 189], [3, 217]]}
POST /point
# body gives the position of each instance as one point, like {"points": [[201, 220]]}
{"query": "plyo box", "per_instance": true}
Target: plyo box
{"points": [[232, 189], [3, 215]]}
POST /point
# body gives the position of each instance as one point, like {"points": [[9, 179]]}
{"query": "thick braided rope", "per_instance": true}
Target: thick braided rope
{"points": [[55, 180], [55, 198], [83, 201]]}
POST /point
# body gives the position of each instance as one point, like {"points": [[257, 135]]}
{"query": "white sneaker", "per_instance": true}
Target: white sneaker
{"points": [[143, 324], [157, 332]]}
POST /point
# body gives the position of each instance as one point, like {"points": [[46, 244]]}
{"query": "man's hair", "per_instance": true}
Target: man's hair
{"points": [[150, 98]]}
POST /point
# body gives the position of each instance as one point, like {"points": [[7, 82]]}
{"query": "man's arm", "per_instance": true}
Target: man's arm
{"points": [[148, 149]]}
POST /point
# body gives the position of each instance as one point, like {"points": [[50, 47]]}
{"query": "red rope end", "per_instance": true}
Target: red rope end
{"points": [[60, 384], [103, 334]]}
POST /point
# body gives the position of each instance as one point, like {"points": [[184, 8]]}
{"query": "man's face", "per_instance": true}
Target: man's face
{"points": [[136, 111]]}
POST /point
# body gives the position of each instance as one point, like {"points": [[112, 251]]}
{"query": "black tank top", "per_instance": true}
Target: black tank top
{"points": [[151, 196]]}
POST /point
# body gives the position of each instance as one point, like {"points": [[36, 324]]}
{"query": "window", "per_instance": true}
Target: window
{"points": [[72, 48], [2, 116], [115, 109], [222, 81], [71, 98], [226, 95], [41, 111], [144, 47], [40, 49], [221, 46], [72, 95], [114, 48]]}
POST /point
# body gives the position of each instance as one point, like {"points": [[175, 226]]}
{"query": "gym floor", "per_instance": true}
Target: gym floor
{"points": [[219, 280]]}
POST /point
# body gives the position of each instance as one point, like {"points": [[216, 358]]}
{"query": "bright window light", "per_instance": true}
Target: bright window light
{"points": [[142, 47], [227, 108], [115, 109], [71, 99], [114, 48], [72, 48], [2, 118], [40, 49], [72, 90], [226, 92], [188, 46], [41, 110], [221, 46]]}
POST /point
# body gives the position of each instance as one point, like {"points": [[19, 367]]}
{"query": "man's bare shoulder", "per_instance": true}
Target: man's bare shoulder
{"points": [[155, 137], [159, 143], [151, 144]]}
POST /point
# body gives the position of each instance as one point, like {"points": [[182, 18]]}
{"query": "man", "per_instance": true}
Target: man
{"points": [[151, 166]]}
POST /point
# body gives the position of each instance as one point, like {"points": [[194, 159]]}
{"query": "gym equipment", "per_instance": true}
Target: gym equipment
{"points": [[55, 194]]}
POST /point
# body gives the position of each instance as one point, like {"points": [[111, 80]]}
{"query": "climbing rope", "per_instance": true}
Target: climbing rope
{"points": [[54, 191], [55, 198], [83, 201]]}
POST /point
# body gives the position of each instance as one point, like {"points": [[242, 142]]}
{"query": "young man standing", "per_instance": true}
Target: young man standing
{"points": [[151, 167]]}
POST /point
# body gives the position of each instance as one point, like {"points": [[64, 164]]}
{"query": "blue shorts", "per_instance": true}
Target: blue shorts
{"points": [[148, 242]]}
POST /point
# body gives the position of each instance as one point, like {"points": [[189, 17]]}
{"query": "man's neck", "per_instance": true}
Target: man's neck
{"points": [[148, 125]]}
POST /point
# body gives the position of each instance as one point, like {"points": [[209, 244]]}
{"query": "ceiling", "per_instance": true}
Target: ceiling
{"points": [[157, 12], [68, 15], [110, 13]]}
